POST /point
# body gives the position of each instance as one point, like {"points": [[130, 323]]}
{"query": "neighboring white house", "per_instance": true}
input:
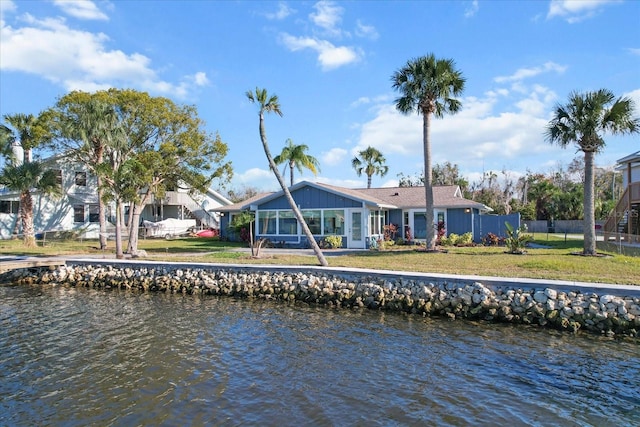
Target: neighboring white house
{"points": [[77, 208]]}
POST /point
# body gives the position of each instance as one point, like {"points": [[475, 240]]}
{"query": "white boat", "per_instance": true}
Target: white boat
{"points": [[167, 228]]}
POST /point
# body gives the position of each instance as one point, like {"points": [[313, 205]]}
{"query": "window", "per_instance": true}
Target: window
{"points": [[334, 222], [287, 223], [312, 218], [78, 213], [9, 206], [81, 179], [58, 173], [267, 222], [377, 219], [94, 213]]}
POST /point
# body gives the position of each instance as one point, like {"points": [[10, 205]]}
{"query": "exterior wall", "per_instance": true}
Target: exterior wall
{"points": [[312, 198], [635, 175], [459, 221]]}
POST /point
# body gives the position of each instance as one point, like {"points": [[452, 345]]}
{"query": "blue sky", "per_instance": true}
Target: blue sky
{"points": [[330, 63]]}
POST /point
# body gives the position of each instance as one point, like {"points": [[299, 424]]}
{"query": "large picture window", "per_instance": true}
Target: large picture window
{"points": [[312, 218], [334, 222], [287, 223], [267, 222]]}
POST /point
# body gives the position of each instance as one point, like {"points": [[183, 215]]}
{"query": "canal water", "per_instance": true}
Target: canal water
{"points": [[79, 357]]}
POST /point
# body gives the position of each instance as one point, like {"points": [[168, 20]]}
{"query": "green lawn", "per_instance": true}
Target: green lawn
{"points": [[556, 261]]}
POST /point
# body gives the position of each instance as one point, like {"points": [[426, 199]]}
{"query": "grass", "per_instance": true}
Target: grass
{"points": [[555, 261]]}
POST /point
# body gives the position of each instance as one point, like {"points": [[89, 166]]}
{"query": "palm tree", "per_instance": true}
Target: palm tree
{"points": [[270, 104], [87, 127], [582, 121], [371, 162], [296, 157], [25, 178], [29, 132], [428, 86]]}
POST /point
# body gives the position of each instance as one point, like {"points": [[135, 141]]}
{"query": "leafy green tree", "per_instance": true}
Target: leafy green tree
{"points": [[24, 174], [582, 121], [371, 162], [428, 86], [165, 146], [270, 104], [296, 157]]}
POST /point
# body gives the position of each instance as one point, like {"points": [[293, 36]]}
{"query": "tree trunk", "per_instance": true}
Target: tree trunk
{"points": [[296, 212], [369, 181], [119, 253], [291, 171], [589, 205], [134, 228], [428, 180], [26, 213], [102, 217]]}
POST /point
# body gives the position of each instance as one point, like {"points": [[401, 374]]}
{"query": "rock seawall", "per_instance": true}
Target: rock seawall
{"points": [[573, 310]]}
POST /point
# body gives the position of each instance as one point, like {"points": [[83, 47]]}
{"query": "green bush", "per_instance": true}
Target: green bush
{"points": [[333, 242], [454, 239]]}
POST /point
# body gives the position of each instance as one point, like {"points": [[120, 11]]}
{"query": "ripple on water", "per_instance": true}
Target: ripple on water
{"points": [[84, 357]]}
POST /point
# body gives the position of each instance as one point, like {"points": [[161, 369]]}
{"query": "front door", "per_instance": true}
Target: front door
{"points": [[356, 238]]}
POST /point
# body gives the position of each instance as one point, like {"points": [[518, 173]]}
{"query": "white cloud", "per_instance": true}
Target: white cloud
{"points": [[472, 9], [525, 73], [283, 12], [328, 16], [476, 134], [329, 56], [79, 60], [635, 97], [334, 156], [576, 10], [368, 31], [634, 51], [7, 6], [81, 9]]}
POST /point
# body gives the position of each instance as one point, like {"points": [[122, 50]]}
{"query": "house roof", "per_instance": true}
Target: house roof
{"points": [[448, 196], [633, 157]]}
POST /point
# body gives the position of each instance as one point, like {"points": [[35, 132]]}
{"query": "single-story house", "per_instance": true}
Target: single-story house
{"points": [[360, 215]]}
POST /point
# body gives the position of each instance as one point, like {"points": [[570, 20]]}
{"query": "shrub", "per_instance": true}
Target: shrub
{"points": [[333, 242], [454, 239], [517, 240]]}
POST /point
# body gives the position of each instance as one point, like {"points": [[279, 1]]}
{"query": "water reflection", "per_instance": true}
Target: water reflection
{"points": [[85, 357]]}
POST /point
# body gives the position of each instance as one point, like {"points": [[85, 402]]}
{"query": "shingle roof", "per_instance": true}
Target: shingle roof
{"points": [[448, 196]]}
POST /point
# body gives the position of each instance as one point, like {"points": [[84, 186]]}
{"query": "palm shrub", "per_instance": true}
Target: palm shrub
{"points": [[333, 242], [517, 240]]}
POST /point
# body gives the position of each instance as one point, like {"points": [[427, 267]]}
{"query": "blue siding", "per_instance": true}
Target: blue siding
{"points": [[484, 224], [311, 198], [458, 221], [395, 217]]}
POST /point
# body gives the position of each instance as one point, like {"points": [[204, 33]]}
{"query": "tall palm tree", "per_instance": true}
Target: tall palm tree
{"points": [[270, 104], [25, 178], [582, 121], [296, 157], [87, 127], [371, 162], [28, 132], [428, 86]]}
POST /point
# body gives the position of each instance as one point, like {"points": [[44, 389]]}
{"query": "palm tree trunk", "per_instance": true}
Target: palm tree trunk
{"points": [[428, 180], [291, 171], [26, 212], [589, 205], [369, 181], [296, 212]]}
